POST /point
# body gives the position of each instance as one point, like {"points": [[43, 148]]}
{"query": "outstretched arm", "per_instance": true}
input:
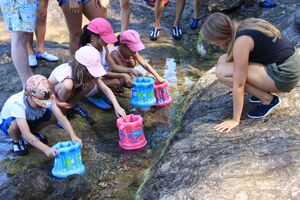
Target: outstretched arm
{"points": [[149, 68], [120, 112]]}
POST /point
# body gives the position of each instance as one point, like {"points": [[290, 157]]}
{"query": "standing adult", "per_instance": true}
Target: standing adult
{"points": [[73, 10], [40, 33], [20, 19]]}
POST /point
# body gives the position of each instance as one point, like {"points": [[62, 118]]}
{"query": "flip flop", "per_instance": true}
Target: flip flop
{"points": [[99, 103]]}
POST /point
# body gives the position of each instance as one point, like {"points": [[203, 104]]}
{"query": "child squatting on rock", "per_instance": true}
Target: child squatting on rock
{"points": [[125, 52], [26, 113], [259, 61], [82, 77]]}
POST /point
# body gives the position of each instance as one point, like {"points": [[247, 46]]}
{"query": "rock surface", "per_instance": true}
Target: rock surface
{"points": [[257, 160]]}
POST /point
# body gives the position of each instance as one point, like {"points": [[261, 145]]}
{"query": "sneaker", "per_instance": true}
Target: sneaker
{"points": [[194, 23], [154, 34], [46, 56], [266, 4], [263, 110], [32, 61], [19, 148], [177, 33], [79, 110], [42, 138], [254, 99]]}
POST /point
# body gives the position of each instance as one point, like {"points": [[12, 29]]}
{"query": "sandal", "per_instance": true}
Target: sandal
{"points": [[154, 34], [194, 23], [266, 4], [19, 148], [79, 110], [177, 33]]}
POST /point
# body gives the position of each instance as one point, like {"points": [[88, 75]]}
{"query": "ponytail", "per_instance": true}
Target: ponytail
{"points": [[80, 74], [86, 36]]}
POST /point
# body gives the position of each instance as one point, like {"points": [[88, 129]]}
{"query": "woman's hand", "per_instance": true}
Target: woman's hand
{"points": [[51, 152], [77, 139], [120, 112], [74, 7], [227, 125]]}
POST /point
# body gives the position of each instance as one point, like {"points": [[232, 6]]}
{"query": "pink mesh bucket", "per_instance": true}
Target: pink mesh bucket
{"points": [[161, 94], [131, 132]]}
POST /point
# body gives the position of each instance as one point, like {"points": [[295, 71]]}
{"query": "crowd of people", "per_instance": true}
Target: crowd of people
{"points": [[259, 61]]}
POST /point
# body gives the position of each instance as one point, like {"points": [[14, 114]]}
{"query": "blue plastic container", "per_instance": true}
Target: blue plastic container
{"points": [[68, 161], [143, 92]]}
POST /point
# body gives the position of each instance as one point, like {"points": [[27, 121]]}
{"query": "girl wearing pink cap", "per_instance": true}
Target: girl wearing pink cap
{"points": [[72, 81], [99, 33], [126, 52]]}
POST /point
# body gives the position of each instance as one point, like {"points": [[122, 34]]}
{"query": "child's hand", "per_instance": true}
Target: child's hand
{"points": [[51, 152], [77, 139], [161, 80], [136, 73], [63, 105], [127, 79], [120, 112]]}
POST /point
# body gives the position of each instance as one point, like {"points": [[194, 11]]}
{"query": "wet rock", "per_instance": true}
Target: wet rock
{"points": [[257, 160], [36, 184], [224, 5], [297, 19]]}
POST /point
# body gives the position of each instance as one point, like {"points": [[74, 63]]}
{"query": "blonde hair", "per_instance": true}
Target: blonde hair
{"points": [[220, 27], [80, 74]]}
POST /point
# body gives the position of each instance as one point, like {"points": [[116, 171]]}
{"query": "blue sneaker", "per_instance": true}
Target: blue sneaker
{"points": [[254, 99], [261, 110], [79, 110], [266, 4], [194, 23]]}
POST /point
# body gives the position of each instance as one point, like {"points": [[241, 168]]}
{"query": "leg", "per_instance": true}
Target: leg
{"points": [[197, 7], [159, 8], [91, 11], [125, 14], [114, 84], [30, 45], [14, 131], [74, 22], [40, 31], [258, 82], [179, 9], [64, 90], [19, 54]]}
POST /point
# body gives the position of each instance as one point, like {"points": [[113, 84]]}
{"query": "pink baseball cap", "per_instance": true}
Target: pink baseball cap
{"points": [[132, 39], [103, 28], [89, 56]]}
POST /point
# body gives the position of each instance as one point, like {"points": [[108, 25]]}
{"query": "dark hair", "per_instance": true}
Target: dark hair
{"points": [[117, 43], [80, 74], [86, 35]]}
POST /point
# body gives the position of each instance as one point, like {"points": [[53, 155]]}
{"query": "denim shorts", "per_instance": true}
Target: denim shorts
{"points": [[20, 15], [61, 2], [4, 126]]}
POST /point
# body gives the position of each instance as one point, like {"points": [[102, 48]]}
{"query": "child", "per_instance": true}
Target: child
{"points": [[126, 52], [99, 33], [72, 81], [29, 111], [259, 61]]}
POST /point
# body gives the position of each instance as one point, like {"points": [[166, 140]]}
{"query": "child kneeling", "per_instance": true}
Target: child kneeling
{"points": [[29, 111]]}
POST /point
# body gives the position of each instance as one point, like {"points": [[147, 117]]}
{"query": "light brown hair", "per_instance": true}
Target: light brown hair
{"points": [[80, 74], [219, 27]]}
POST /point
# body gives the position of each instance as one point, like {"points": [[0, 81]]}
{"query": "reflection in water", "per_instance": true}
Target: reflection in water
{"points": [[5, 147]]}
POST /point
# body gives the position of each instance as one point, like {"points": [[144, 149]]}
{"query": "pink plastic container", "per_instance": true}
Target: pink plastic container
{"points": [[131, 132], [161, 94]]}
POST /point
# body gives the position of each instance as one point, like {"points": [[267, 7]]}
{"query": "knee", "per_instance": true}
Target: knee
{"points": [[219, 72], [223, 58]]}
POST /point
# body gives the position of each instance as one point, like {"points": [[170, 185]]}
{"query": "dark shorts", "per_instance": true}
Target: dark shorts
{"points": [[286, 75], [31, 123], [61, 2]]}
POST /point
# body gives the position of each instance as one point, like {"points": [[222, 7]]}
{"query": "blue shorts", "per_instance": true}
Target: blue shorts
{"points": [[20, 15], [31, 123], [61, 2]]}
